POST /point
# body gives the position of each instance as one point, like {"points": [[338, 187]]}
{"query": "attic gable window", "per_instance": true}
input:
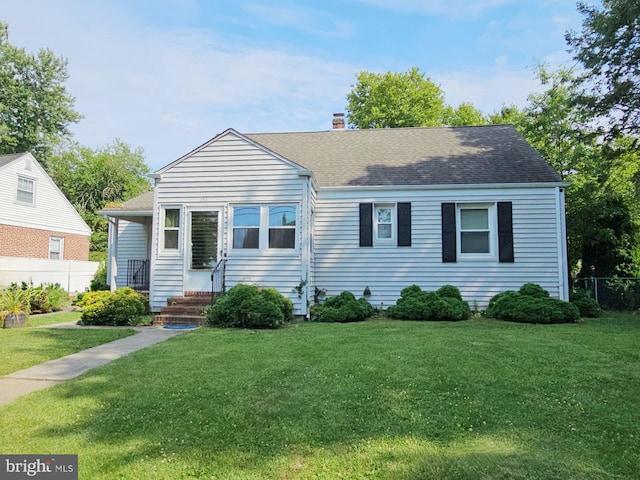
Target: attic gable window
{"points": [[26, 190]]}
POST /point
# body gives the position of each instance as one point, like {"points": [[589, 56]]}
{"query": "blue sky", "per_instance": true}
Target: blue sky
{"points": [[168, 75]]}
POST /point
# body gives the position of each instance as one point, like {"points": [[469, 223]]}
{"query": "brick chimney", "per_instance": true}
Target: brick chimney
{"points": [[338, 121]]}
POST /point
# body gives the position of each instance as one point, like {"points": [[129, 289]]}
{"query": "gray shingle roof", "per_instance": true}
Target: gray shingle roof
{"points": [[413, 156], [142, 202], [7, 159]]}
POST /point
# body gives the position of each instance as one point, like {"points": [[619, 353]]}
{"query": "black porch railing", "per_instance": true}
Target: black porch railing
{"points": [[138, 274]]}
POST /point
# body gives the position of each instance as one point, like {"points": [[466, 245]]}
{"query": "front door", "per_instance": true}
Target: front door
{"points": [[203, 252]]}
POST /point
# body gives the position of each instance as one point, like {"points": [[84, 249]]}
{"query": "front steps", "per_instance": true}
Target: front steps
{"points": [[187, 310]]}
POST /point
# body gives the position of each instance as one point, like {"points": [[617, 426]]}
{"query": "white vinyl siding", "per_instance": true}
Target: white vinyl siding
{"points": [[340, 264], [231, 171], [51, 210], [133, 244]]}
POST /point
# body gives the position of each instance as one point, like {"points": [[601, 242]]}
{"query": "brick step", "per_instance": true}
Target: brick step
{"points": [[178, 320], [194, 300], [182, 309]]}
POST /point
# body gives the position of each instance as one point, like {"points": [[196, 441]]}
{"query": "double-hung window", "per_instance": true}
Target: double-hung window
{"points": [[262, 227], [171, 229], [384, 224], [26, 190], [476, 230]]}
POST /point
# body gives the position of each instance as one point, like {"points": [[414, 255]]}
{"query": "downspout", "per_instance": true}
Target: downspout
{"points": [[112, 262], [563, 260]]}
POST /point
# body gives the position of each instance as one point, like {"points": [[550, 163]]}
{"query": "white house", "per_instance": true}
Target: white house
{"points": [[474, 207], [43, 239]]}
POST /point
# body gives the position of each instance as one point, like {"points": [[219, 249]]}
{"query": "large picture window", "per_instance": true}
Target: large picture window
{"points": [[171, 229], [260, 227], [246, 227], [282, 226]]}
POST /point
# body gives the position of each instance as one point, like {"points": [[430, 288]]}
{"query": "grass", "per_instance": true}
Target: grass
{"points": [[383, 399], [25, 347]]}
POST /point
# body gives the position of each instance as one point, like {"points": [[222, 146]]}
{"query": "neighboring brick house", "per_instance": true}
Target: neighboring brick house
{"points": [[38, 222]]}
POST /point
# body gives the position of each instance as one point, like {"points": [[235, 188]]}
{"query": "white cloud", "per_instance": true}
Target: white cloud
{"points": [[305, 19], [447, 8], [169, 90]]}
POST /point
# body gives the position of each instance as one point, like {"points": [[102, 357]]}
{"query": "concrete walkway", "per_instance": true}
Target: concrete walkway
{"points": [[56, 371]]}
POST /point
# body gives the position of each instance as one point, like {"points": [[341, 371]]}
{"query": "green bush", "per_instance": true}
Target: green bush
{"points": [[122, 307], [247, 306], [99, 281], [449, 291], [415, 304], [587, 305], [533, 290], [342, 308], [531, 304], [45, 298]]}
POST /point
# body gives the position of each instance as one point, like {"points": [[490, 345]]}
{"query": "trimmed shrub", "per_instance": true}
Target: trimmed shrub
{"points": [[342, 308], [248, 306], [415, 304], [587, 305], [532, 306], [533, 290], [118, 308], [449, 291]]}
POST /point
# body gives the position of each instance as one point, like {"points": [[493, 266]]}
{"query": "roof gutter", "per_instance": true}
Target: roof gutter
{"points": [[450, 186]]}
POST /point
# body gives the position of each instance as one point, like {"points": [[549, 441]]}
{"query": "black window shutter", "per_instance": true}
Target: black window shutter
{"points": [[449, 247], [366, 224], [505, 232], [404, 224]]}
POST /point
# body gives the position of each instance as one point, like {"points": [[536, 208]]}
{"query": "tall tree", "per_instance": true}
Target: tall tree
{"points": [[91, 179], [608, 48], [465, 114], [600, 223], [35, 108], [392, 100]]}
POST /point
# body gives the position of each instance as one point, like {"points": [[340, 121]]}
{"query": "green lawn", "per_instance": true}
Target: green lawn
{"points": [[479, 399], [25, 347]]}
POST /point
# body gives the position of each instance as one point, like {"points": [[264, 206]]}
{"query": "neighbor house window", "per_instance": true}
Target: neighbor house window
{"points": [[26, 190], [282, 226], [246, 227], [384, 223], [476, 229], [55, 248], [261, 227], [171, 229]]}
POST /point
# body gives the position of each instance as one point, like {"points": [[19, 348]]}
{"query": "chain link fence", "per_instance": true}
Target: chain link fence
{"points": [[621, 293]]}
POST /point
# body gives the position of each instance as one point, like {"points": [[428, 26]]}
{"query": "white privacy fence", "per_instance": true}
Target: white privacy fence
{"points": [[72, 275]]}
